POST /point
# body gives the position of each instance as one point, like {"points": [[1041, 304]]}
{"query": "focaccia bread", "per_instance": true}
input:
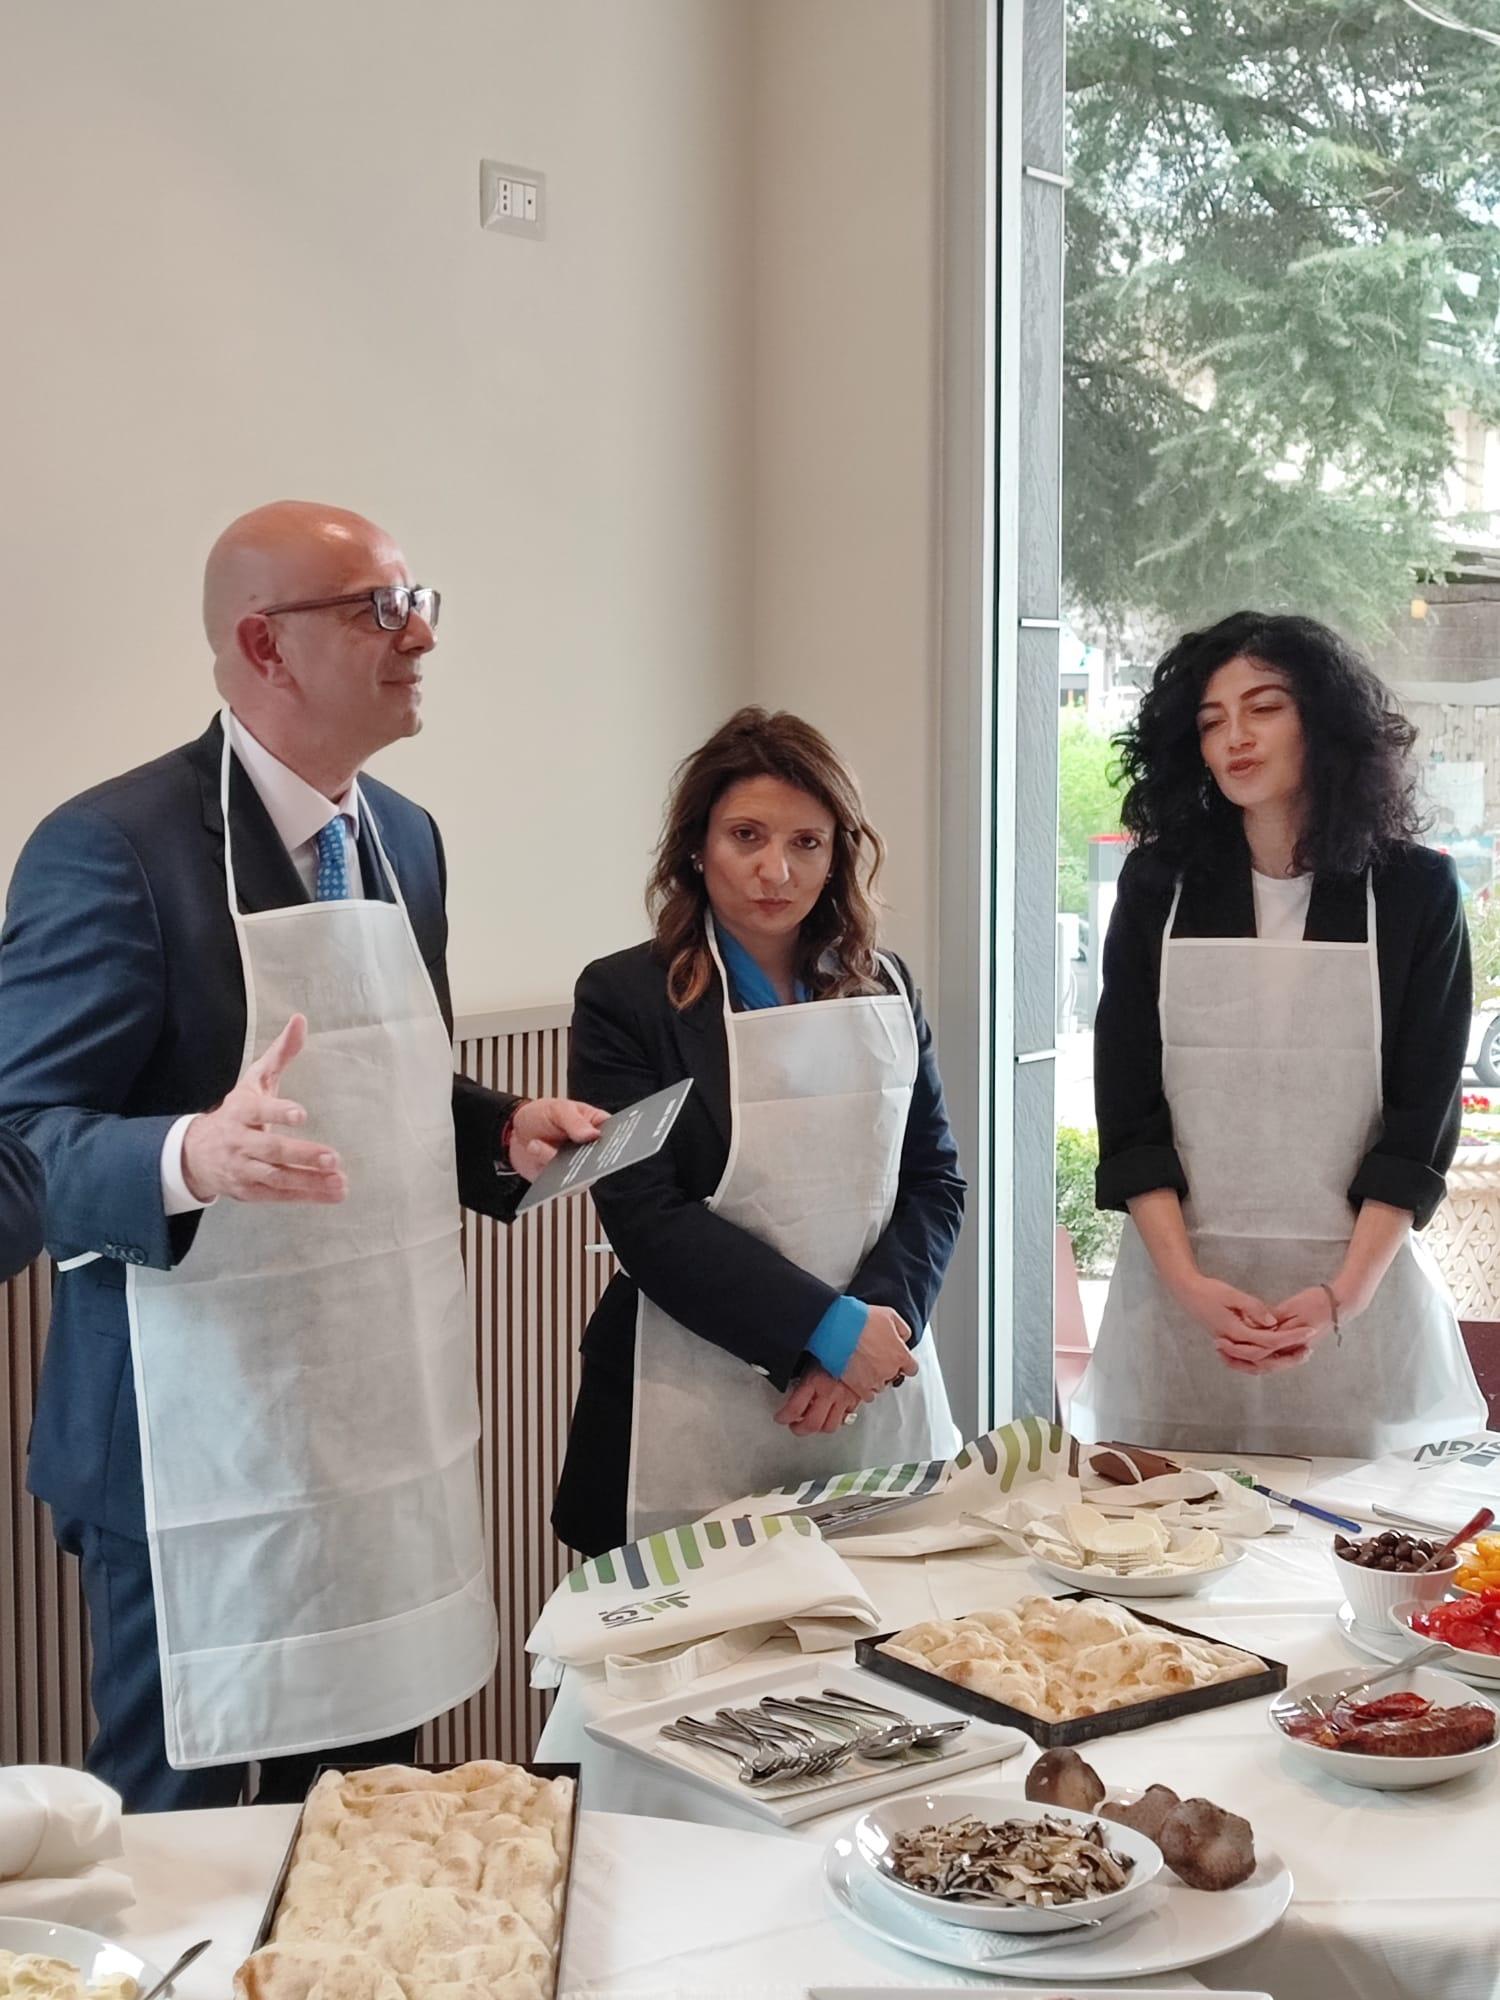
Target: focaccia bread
{"points": [[1059, 1659], [421, 1885]]}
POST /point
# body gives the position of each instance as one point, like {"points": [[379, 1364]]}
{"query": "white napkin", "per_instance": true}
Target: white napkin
{"points": [[56, 1826], [1196, 1499]]}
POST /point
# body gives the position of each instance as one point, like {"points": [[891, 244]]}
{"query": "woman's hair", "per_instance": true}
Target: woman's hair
{"points": [[837, 941], [1359, 780]]}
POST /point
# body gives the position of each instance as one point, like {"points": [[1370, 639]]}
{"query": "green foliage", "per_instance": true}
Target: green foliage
{"points": [[1283, 274], [1095, 1232], [1484, 945], [1088, 801]]}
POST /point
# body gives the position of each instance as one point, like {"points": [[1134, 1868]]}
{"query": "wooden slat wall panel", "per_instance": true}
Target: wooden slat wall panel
{"points": [[531, 1290], [44, 1713]]}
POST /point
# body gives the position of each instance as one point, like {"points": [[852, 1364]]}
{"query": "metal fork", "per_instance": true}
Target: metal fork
{"points": [[844, 1517], [924, 1735], [819, 1756], [758, 1768], [1320, 1707], [867, 1737]]}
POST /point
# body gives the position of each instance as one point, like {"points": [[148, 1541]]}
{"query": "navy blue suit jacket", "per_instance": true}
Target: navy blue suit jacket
{"points": [[122, 1006], [22, 1193]]}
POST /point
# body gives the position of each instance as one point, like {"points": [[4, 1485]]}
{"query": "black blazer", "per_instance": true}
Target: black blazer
{"points": [[712, 1276], [122, 1006], [1426, 998]]}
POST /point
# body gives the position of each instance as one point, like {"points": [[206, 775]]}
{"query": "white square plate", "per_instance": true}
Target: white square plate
{"points": [[637, 1730]]}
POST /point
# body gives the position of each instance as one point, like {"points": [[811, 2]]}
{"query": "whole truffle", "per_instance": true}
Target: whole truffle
{"points": [[1206, 1846], [1062, 1778], [1146, 1814]]}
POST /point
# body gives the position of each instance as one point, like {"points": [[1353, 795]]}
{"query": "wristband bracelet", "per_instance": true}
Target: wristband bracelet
{"points": [[1333, 1307]]}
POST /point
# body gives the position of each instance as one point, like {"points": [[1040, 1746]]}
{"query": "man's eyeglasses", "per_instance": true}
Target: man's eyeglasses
{"points": [[392, 603]]}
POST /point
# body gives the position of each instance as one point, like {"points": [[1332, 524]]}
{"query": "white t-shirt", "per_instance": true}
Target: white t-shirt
{"points": [[1281, 904]]}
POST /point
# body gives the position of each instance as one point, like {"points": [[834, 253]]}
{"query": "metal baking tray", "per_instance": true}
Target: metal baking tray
{"points": [[1082, 1728], [268, 1921]]}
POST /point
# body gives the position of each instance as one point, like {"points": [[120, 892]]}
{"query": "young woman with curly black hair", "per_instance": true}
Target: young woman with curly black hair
{"points": [[1277, 1056]]}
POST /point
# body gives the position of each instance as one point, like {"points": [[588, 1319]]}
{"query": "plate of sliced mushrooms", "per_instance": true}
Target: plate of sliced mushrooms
{"points": [[1020, 1866]]}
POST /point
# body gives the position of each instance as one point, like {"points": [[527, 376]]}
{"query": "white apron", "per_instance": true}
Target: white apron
{"points": [[818, 1101], [1271, 1065], [305, 1380]]}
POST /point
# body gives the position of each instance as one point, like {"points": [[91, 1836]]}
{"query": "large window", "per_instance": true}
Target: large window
{"points": [[1280, 390]]}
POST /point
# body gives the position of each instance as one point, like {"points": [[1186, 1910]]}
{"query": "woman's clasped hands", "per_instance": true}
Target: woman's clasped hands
{"points": [[818, 1402], [1253, 1338]]}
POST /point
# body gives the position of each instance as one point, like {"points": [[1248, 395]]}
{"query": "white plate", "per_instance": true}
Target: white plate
{"points": [[1384, 1774], [1392, 1645], [1103, 1583], [1473, 1666], [95, 1957], [875, 1830], [1177, 1927], [637, 1730], [1014, 1993]]}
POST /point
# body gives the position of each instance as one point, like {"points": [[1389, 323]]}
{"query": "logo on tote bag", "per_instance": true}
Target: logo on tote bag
{"points": [[652, 1607]]}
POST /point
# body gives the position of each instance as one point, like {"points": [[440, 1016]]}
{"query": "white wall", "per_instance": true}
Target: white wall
{"points": [[847, 329], [244, 261], [679, 455]]}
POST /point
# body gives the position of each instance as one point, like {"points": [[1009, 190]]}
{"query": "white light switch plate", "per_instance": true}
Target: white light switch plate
{"points": [[512, 199]]}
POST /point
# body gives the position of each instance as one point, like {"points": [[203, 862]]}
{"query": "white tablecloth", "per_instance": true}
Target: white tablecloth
{"points": [[1395, 1891], [659, 1907]]}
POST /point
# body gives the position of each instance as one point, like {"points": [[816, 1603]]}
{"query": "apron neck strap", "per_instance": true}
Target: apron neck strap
{"points": [[226, 760]]}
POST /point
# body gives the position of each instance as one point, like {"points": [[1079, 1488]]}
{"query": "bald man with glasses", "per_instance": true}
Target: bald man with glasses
{"points": [[225, 1030]]}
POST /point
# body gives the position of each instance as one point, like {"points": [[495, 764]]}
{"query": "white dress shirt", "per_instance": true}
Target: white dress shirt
{"points": [[299, 813]]}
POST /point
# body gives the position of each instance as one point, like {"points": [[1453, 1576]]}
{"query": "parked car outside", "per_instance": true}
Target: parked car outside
{"points": [[1484, 1044]]}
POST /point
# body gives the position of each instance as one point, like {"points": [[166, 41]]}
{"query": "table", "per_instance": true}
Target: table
{"points": [[1394, 1895], [1395, 1891], [659, 1908]]}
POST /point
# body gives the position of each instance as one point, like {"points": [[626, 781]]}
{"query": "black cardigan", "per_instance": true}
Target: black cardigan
{"points": [[1426, 997], [711, 1275]]}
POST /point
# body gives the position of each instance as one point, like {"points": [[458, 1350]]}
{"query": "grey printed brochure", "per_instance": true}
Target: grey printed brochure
{"points": [[630, 1136]]}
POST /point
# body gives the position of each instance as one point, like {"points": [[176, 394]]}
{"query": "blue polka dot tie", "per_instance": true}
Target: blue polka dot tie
{"points": [[333, 868]]}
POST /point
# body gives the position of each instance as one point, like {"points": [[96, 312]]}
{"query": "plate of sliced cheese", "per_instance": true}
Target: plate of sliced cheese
{"points": [[1137, 1556]]}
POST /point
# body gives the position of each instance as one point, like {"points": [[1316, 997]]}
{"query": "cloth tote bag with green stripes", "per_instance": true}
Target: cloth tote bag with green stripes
{"points": [[936, 1506], [662, 1612]]}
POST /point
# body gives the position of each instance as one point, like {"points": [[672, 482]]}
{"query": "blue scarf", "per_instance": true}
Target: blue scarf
{"points": [[749, 987]]}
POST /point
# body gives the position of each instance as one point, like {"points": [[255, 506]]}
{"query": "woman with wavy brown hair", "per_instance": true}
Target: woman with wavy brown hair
{"points": [[782, 1253]]}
